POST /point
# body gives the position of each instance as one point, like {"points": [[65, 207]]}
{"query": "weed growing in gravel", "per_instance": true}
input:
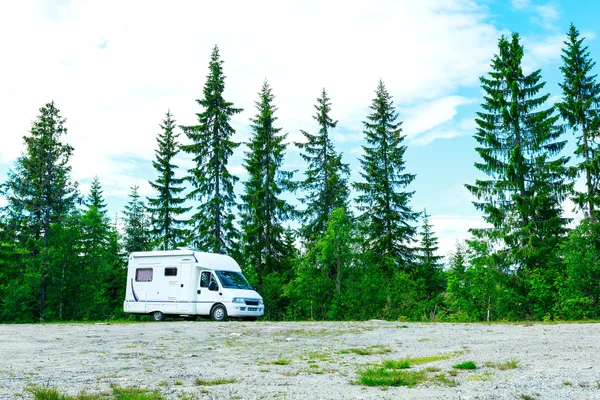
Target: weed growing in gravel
{"points": [[367, 351], [465, 365], [528, 397], [442, 379], [567, 383], [484, 376], [408, 362], [321, 356], [214, 382], [511, 364], [178, 383], [40, 393], [386, 377], [396, 364], [282, 361], [53, 394]]}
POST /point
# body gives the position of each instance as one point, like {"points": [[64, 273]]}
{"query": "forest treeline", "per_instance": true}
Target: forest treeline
{"points": [[62, 258]]}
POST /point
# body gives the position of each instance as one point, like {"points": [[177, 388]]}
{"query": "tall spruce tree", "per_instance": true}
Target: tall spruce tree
{"points": [[40, 191], [137, 226], [168, 227], [211, 148], [383, 198], [519, 146], [579, 107], [428, 265], [264, 211], [326, 180]]}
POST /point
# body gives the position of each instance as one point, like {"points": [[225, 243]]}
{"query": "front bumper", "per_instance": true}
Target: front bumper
{"points": [[243, 310]]}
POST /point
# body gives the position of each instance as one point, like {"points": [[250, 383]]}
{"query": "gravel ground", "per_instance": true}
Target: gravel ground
{"points": [[299, 360]]}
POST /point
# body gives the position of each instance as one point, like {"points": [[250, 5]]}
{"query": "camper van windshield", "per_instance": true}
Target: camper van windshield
{"points": [[233, 280]]}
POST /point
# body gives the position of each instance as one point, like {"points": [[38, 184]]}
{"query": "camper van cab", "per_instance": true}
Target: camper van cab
{"points": [[189, 283]]}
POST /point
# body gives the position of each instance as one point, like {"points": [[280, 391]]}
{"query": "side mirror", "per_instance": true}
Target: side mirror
{"points": [[213, 287]]}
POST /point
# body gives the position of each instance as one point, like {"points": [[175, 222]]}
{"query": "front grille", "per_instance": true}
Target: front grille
{"points": [[252, 309], [252, 302]]}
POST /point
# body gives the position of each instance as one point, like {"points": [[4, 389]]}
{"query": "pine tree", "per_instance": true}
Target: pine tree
{"points": [[264, 212], [428, 266], [326, 181], [211, 148], [383, 200], [137, 229], [95, 198], [39, 190], [579, 108], [166, 209]]}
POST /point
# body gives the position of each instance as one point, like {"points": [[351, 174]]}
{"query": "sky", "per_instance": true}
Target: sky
{"points": [[114, 68]]}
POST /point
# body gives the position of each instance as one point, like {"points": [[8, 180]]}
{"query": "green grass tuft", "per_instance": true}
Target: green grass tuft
{"points": [[282, 361], [214, 382], [465, 365], [386, 377], [396, 364], [512, 364]]}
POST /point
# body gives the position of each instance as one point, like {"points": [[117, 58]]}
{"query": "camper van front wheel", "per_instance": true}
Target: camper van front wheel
{"points": [[219, 313], [158, 316]]}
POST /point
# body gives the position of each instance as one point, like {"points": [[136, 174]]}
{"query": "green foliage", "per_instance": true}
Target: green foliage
{"points": [[166, 209], [579, 294], [382, 199], [211, 147]]}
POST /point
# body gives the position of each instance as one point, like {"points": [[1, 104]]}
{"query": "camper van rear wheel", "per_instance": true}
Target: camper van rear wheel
{"points": [[219, 313], [158, 316]]}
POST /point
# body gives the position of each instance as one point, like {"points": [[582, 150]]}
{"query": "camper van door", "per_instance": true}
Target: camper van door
{"points": [[207, 297]]}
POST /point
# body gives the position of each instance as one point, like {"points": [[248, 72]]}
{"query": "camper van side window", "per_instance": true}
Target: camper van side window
{"points": [[170, 271], [143, 275]]}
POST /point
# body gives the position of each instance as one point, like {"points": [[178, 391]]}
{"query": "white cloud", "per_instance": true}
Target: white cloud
{"points": [[451, 228], [429, 120], [547, 16], [520, 4], [542, 50], [114, 74]]}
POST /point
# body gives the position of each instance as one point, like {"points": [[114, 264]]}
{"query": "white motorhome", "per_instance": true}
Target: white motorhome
{"points": [[189, 283]]}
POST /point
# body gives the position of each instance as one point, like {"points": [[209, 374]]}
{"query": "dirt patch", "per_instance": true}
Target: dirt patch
{"points": [[296, 360]]}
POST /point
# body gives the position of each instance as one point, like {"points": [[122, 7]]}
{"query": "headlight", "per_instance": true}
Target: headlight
{"points": [[261, 302], [238, 300]]}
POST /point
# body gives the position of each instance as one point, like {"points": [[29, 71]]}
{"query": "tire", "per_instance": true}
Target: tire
{"points": [[219, 313], [157, 316]]}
